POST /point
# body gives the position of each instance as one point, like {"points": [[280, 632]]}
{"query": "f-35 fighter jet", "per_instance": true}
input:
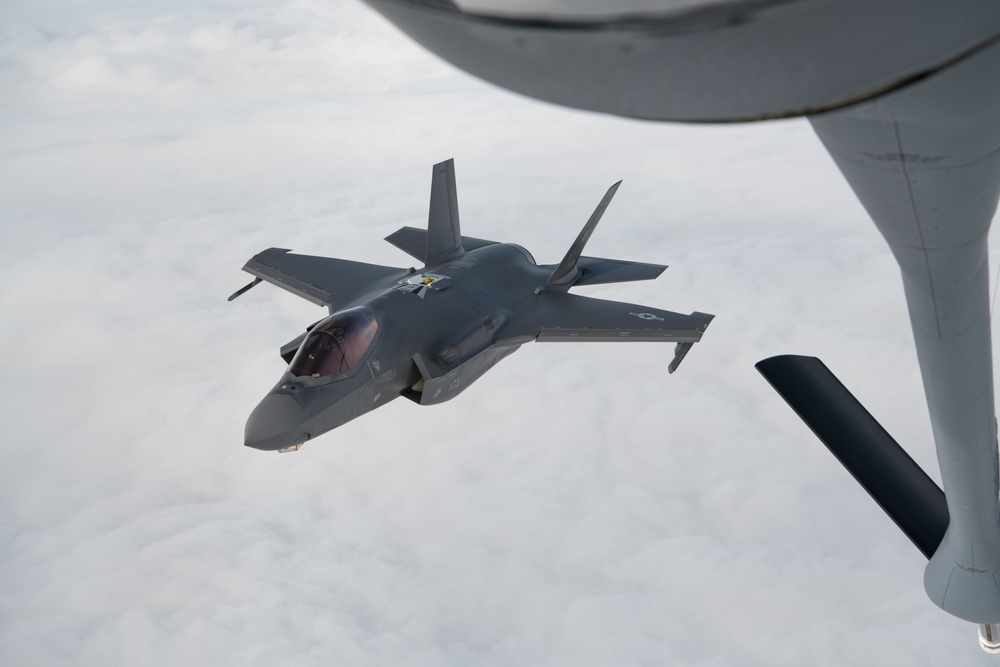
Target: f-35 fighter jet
{"points": [[429, 333]]}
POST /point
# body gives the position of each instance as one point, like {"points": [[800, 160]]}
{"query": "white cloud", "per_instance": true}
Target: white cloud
{"points": [[576, 507]]}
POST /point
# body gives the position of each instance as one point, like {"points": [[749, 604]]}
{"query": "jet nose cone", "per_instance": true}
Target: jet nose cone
{"points": [[276, 423]]}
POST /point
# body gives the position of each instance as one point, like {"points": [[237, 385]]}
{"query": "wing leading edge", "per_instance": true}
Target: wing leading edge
{"points": [[325, 281]]}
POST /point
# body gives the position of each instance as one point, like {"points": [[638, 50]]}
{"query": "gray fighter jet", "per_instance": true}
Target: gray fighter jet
{"points": [[429, 333]]}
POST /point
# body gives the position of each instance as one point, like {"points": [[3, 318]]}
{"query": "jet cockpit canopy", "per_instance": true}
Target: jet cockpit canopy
{"points": [[336, 344]]}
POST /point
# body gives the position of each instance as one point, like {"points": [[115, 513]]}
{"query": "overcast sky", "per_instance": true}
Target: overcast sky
{"points": [[576, 507]]}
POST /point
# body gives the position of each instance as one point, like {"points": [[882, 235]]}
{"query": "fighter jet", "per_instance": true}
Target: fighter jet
{"points": [[428, 333]]}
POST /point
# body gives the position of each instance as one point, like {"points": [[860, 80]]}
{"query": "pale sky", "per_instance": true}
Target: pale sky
{"points": [[577, 506]]}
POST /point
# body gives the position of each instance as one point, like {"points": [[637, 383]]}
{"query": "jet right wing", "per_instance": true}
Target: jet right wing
{"points": [[557, 317], [562, 317], [325, 281]]}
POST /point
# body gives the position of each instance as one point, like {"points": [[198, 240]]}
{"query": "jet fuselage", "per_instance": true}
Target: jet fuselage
{"points": [[442, 316]]}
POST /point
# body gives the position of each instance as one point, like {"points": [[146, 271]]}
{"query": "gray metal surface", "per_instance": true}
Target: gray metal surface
{"points": [[726, 61], [413, 242], [566, 272], [444, 236], [325, 281], [428, 334], [925, 162]]}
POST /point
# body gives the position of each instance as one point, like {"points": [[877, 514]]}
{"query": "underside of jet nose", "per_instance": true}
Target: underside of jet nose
{"points": [[276, 423]]}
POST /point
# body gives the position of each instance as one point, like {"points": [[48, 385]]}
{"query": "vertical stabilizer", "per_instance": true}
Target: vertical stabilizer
{"points": [[566, 272], [444, 235]]}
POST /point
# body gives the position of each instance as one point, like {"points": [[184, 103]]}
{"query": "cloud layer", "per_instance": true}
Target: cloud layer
{"points": [[576, 507]]}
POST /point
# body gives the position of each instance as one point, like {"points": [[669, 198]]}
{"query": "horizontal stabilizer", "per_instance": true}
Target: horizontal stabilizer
{"points": [[566, 272], [413, 242], [325, 281], [878, 463], [601, 271]]}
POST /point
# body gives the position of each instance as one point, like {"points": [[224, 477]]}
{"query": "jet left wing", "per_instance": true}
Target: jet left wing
{"points": [[325, 281]]}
